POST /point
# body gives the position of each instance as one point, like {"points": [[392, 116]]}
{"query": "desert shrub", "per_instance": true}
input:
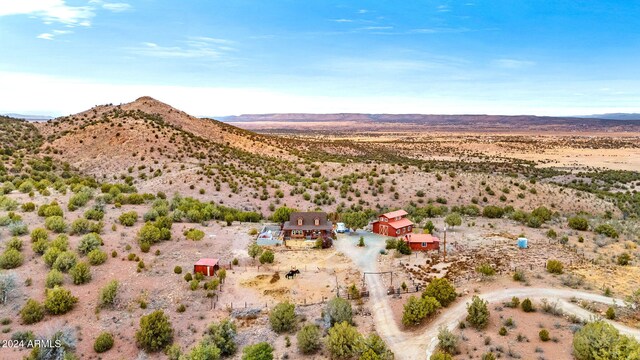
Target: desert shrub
{"points": [[600, 340], [24, 336], [177, 270], [337, 310], [489, 355], [391, 243], [55, 224], [442, 290], [59, 301], [28, 206], [624, 259], [544, 335], [149, 234], [343, 341], [486, 270], [61, 242], [14, 243], [259, 351], [79, 199], [187, 277], [309, 339], [554, 266], [38, 234], [418, 309], [95, 214], [611, 313], [543, 213], [194, 234], [84, 226], [89, 243], [150, 215], [519, 276], [155, 332], [128, 218], [194, 284], [97, 257], [48, 210], [267, 257], [11, 259], [478, 313], [54, 278], [606, 230], [223, 336], [578, 223], [8, 286], [447, 341], [39, 247], [492, 212], [502, 331], [527, 305], [552, 234], [440, 355], [65, 261], [403, 247], [17, 228], [104, 342], [32, 312], [50, 255], [282, 318], [203, 350], [80, 273], [534, 222], [108, 294]]}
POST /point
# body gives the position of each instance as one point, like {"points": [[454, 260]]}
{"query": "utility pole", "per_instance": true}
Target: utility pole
{"points": [[445, 243]]}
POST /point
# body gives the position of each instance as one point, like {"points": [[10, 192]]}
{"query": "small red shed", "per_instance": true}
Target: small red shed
{"points": [[422, 242], [206, 267]]}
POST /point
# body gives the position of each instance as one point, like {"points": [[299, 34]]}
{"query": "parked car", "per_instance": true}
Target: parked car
{"points": [[341, 228]]}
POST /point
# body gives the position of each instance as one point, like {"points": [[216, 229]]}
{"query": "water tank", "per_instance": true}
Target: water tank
{"points": [[522, 243]]}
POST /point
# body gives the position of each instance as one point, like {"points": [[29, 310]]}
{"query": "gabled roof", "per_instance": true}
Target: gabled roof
{"points": [[308, 221], [207, 262], [421, 238], [395, 214], [399, 223]]}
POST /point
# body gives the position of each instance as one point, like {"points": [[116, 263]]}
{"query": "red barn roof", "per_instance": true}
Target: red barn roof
{"points": [[395, 214], [400, 223], [207, 262], [421, 238]]}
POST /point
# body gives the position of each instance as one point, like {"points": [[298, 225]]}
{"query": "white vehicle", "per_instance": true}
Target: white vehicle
{"points": [[341, 228]]}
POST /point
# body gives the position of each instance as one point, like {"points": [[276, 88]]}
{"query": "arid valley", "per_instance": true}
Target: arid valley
{"points": [[105, 216]]}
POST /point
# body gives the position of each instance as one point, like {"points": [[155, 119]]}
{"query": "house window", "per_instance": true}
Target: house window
{"points": [[383, 219], [316, 221], [299, 221], [424, 244], [404, 230], [409, 229], [397, 232]]}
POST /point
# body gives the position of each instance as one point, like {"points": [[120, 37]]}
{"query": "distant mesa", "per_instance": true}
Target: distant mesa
{"points": [[29, 117]]}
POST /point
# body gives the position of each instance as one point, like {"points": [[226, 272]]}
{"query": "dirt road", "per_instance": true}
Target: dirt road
{"points": [[412, 345]]}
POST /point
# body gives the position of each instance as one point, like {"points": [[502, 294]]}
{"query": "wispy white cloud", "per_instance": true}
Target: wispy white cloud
{"points": [[49, 11], [363, 11], [513, 63], [116, 7], [51, 35], [438, 30], [192, 47], [377, 28], [45, 36], [443, 8], [342, 20]]}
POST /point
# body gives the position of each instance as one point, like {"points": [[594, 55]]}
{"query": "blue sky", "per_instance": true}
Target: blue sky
{"points": [[212, 57]]}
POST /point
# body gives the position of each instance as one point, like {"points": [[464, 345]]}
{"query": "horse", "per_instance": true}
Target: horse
{"points": [[292, 273]]}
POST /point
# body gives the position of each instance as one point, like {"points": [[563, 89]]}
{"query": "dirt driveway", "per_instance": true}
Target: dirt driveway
{"points": [[413, 346]]}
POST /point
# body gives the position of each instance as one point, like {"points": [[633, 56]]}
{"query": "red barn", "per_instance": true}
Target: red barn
{"points": [[422, 242], [206, 267], [393, 223]]}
